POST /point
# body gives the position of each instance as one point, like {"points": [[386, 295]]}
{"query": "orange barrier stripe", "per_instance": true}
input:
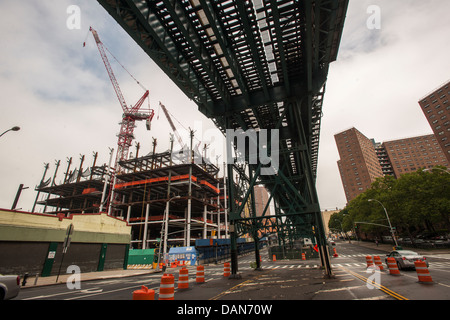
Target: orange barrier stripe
{"points": [[162, 179], [152, 180], [206, 183]]}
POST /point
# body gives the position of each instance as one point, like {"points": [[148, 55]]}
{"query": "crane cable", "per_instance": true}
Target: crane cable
{"points": [[123, 67]]}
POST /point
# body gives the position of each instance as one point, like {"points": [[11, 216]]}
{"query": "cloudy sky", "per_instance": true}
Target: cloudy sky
{"points": [[60, 95]]}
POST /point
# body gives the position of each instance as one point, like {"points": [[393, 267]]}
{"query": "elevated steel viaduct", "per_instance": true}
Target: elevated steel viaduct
{"points": [[252, 64]]}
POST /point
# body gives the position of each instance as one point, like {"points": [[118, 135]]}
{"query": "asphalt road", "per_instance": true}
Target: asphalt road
{"points": [[280, 280], [352, 260]]}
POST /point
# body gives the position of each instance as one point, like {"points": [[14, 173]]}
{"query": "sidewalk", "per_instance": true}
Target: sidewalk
{"points": [[96, 275]]}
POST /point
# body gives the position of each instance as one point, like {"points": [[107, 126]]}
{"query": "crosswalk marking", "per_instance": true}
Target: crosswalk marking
{"points": [[336, 265]]}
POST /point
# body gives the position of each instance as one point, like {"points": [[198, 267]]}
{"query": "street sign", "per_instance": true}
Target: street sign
{"points": [[66, 244], [69, 232]]}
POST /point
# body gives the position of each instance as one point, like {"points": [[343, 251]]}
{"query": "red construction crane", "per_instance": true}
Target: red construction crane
{"points": [[131, 114]]}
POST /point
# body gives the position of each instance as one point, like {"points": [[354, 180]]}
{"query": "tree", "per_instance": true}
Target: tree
{"points": [[417, 201]]}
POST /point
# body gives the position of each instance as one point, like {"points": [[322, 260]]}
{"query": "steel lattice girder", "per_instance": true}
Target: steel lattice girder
{"points": [[240, 60], [249, 64]]}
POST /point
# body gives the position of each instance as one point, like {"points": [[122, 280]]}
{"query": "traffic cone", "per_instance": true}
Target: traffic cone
{"points": [[378, 263], [335, 253], [200, 276], [422, 272], [369, 261], [144, 294], [226, 269], [392, 265], [166, 288], [183, 278]]}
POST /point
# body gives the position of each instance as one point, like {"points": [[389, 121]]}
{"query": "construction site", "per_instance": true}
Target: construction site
{"points": [[257, 70], [161, 195], [157, 194]]}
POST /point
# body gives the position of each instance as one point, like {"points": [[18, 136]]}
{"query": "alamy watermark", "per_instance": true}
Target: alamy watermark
{"points": [[73, 22], [251, 146], [74, 280], [258, 148], [374, 280], [374, 20]]}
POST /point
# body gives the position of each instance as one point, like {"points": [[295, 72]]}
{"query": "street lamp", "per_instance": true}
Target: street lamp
{"points": [[166, 229], [16, 128], [389, 221]]}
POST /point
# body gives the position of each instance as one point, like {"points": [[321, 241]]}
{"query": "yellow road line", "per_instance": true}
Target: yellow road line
{"points": [[378, 286], [237, 286]]}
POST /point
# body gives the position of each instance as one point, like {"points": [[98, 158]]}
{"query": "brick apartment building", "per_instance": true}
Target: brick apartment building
{"points": [[362, 160], [436, 109], [358, 164], [408, 155]]}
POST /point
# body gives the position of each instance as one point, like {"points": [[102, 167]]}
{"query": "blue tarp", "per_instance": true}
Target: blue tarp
{"points": [[211, 242], [188, 254]]}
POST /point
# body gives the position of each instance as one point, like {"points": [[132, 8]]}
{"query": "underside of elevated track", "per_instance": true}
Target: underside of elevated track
{"points": [[252, 65]]}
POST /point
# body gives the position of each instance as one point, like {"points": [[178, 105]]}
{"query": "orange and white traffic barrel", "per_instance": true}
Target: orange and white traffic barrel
{"points": [[144, 294], [226, 269], [166, 288], [183, 278], [378, 263], [274, 257], [303, 256], [200, 275], [369, 261], [422, 271], [392, 265]]}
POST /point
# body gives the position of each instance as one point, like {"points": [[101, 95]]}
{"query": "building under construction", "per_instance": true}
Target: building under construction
{"points": [[144, 189]]}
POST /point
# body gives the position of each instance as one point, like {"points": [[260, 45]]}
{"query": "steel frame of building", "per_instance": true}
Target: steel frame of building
{"points": [[251, 64], [143, 189]]}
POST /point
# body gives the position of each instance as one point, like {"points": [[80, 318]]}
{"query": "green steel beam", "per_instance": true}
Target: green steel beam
{"points": [[251, 68]]}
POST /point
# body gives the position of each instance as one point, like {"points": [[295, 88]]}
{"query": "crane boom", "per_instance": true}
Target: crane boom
{"points": [[130, 114], [111, 75], [180, 141]]}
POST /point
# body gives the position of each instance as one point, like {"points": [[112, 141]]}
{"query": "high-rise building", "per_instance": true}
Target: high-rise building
{"points": [[363, 160], [436, 108], [261, 199], [410, 154], [384, 160], [358, 164]]}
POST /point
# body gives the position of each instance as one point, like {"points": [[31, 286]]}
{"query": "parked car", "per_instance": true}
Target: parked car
{"points": [[9, 287], [405, 258]]}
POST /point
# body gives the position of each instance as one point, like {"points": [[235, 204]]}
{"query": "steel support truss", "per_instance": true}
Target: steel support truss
{"points": [[251, 64], [292, 190]]}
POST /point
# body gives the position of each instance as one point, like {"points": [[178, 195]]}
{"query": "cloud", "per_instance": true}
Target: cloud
{"points": [[60, 95], [378, 78]]}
